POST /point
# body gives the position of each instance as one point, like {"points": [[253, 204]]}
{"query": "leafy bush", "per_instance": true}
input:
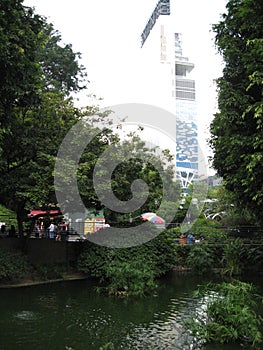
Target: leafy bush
{"points": [[8, 215], [13, 264], [129, 271], [232, 259], [239, 257], [130, 278], [210, 231], [228, 315], [182, 252], [200, 259], [49, 271], [254, 258]]}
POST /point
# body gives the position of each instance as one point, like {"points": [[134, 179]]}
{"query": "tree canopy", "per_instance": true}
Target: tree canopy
{"points": [[20, 40], [237, 129], [32, 56], [37, 74]]}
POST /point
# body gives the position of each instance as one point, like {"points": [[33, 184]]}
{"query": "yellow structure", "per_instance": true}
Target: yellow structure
{"points": [[93, 223]]}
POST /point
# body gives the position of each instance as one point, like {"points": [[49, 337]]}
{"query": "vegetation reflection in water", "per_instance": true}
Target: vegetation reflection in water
{"points": [[72, 316]]}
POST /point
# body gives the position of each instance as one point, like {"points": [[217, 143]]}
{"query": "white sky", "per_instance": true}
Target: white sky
{"points": [[107, 33]]}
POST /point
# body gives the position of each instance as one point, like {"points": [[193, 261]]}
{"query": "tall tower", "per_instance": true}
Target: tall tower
{"points": [[186, 119], [172, 88]]}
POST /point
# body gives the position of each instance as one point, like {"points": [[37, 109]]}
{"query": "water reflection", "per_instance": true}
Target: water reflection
{"points": [[72, 316], [27, 315]]}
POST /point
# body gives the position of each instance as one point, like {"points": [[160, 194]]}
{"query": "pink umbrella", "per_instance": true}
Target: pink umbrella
{"points": [[152, 217], [157, 220], [147, 216]]}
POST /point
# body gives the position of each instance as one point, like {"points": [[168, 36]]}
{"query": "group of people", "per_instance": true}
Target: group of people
{"points": [[53, 231], [11, 232], [189, 239]]}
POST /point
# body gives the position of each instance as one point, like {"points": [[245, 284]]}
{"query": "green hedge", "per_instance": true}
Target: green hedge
{"points": [[13, 265]]}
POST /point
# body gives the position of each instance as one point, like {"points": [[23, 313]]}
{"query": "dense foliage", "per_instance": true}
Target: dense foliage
{"points": [[237, 129], [129, 271], [7, 216], [228, 314], [134, 161], [13, 265], [37, 74]]}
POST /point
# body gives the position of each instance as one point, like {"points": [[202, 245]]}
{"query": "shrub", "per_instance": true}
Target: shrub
{"points": [[200, 259], [229, 315], [134, 278], [210, 231], [49, 271], [13, 264], [129, 271], [182, 252], [254, 259], [233, 258]]}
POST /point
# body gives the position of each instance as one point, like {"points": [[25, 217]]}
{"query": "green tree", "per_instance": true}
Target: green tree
{"points": [[37, 75], [60, 64], [29, 154], [236, 131], [32, 56], [20, 73], [148, 164]]}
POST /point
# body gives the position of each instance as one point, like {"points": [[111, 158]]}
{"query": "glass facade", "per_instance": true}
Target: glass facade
{"points": [[186, 119]]}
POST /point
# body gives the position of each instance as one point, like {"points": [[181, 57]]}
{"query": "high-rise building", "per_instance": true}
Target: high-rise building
{"points": [[186, 119], [179, 89]]}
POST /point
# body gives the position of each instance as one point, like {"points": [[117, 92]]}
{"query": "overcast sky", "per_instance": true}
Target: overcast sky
{"points": [[107, 33]]}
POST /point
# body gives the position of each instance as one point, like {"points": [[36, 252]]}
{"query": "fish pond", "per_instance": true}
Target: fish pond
{"points": [[73, 316]]}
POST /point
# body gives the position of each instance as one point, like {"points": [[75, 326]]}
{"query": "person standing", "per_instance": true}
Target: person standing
{"points": [[190, 238], [12, 231], [37, 230], [3, 229], [51, 230], [182, 239]]}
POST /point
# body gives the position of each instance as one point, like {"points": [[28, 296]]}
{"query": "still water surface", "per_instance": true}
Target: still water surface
{"points": [[72, 316]]}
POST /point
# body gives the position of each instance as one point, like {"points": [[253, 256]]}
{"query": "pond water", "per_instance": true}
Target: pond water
{"points": [[72, 316]]}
